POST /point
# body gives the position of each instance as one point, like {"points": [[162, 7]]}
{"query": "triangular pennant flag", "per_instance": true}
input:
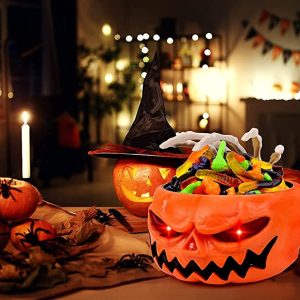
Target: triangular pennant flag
{"points": [[267, 47], [296, 25], [251, 34], [296, 57], [264, 16], [274, 20], [287, 53], [284, 26], [259, 39], [276, 52]]}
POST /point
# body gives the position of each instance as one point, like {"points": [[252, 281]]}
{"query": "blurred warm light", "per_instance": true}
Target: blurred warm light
{"points": [[205, 66], [108, 78], [183, 39], [144, 74], [128, 38], [141, 45], [25, 117], [146, 36], [10, 95], [195, 37], [145, 50], [123, 120], [141, 64], [207, 84], [170, 40], [209, 36], [156, 37], [205, 115], [117, 37], [207, 52], [179, 87], [0, 93], [140, 37], [297, 96], [121, 64], [106, 29], [146, 59], [203, 123], [141, 80]]}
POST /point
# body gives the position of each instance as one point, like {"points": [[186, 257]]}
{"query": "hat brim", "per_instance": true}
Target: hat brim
{"points": [[121, 151]]}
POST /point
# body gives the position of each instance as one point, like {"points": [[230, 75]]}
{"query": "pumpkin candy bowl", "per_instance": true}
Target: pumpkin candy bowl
{"points": [[220, 239]]}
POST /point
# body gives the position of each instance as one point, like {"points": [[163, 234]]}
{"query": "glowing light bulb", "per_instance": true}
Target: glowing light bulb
{"points": [[108, 78], [146, 59], [10, 95], [239, 232], [146, 36], [203, 123], [106, 29], [128, 38], [205, 115], [141, 64], [117, 37], [209, 36], [121, 64], [207, 52], [145, 50], [168, 228], [156, 37], [140, 37], [170, 40], [144, 74], [205, 66], [195, 37], [141, 45]]}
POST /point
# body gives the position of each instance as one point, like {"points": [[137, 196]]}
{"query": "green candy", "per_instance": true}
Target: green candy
{"points": [[219, 163], [245, 164], [254, 192], [267, 177], [191, 187]]}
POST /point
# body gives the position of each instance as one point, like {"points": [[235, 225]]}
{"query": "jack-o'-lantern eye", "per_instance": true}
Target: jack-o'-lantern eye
{"points": [[163, 229], [242, 231], [164, 172]]}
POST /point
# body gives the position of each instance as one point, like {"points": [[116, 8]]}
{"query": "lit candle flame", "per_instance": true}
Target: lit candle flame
{"points": [[25, 117]]}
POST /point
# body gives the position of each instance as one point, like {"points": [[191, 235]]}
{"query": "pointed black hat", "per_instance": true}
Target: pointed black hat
{"points": [[150, 127]]}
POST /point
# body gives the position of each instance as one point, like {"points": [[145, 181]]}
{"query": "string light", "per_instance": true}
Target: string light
{"points": [[205, 66], [207, 52], [183, 39], [106, 29], [156, 37], [195, 37], [142, 45], [209, 36], [117, 37], [108, 78], [170, 40], [128, 38], [140, 37], [146, 36], [145, 50], [205, 115], [141, 65], [146, 59], [10, 95], [144, 74]]}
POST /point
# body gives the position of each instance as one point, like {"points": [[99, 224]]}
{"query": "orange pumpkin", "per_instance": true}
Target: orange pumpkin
{"points": [[135, 182], [4, 235], [218, 239], [31, 233], [18, 199]]}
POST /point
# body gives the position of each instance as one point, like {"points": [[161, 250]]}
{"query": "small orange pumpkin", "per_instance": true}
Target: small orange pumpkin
{"points": [[218, 239], [4, 235], [136, 180], [18, 199], [31, 233]]}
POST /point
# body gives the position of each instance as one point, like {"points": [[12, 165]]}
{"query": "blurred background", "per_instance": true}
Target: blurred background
{"points": [[77, 68]]}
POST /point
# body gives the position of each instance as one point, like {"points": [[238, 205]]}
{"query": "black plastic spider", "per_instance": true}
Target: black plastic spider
{"points": [[130, 261], [109, 218], [31, 236], [5, 189]]}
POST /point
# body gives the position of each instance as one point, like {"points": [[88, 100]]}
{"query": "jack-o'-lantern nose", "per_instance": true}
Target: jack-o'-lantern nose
{"points": [[196, 243], [190, 244]]}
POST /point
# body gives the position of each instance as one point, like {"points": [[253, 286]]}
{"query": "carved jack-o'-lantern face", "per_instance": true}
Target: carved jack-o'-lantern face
{"points": [[220, 239], [135, 182]]}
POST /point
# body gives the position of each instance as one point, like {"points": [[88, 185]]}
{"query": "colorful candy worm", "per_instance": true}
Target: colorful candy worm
{"points": [[219, 177], [219, 164], [249, 186]]}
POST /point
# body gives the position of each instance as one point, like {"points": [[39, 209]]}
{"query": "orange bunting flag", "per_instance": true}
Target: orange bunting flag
{"points": [[284, 26], [296, 57], [258, 40], [276, 52]]}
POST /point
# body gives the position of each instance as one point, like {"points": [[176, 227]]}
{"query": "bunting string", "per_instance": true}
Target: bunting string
{"points": [[274, 20], [268, 46]]}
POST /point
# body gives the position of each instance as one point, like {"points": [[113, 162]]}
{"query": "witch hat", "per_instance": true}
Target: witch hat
{"points": [[150, 127]]}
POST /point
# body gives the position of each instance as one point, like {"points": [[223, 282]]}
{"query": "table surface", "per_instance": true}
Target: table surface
{"points": [[283, 287]]}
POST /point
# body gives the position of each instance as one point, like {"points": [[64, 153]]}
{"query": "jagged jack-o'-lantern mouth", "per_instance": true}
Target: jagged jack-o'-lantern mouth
{"points": [[235, 234]]}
